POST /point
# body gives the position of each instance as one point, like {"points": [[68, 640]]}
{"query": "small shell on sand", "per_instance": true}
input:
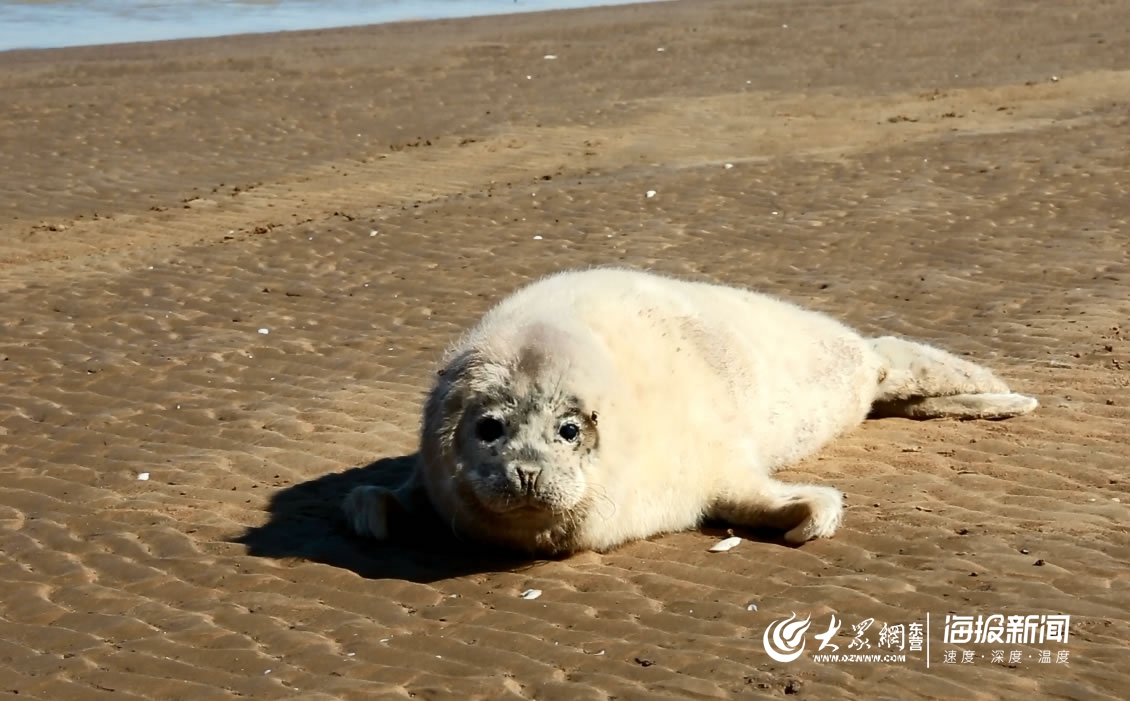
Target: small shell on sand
{"points": [[726, 544], [531, 594]]}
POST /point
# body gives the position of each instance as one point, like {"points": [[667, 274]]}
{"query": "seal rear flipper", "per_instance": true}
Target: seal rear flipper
{"points": [[913, 369], [957, 406]]}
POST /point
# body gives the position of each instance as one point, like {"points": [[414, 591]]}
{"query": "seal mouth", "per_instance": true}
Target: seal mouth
{"points": [[518, 490], [514, 503]]}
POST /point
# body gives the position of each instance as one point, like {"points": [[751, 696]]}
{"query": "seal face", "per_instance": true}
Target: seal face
{"points": [[511, 439], [596, 407], [525, 451]]}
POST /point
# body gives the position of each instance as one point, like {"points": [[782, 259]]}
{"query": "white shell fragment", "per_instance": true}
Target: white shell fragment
{"points": [[143, 476], [726, 544], [531, 594], [651, 193], [264, 331], [549, 57]]}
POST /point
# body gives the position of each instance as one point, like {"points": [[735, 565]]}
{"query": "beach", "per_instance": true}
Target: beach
{"points": [[229, 267]]}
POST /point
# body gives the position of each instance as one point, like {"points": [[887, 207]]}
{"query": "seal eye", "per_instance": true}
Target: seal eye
{"points": [[569, 432], [489, 430]]}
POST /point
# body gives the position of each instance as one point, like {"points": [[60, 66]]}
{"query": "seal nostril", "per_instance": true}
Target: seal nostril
{"points": [[527, 477]]}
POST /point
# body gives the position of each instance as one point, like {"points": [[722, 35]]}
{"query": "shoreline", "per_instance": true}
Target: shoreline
{"points": [[241, 21]]}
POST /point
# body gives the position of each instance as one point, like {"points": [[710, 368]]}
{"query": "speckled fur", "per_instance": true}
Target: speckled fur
{"points": [[687, 396]]}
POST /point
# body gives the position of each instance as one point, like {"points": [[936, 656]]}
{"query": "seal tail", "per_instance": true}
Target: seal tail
{"points": [[924, 382]]}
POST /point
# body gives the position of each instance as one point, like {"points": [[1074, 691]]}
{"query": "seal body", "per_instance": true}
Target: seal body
{"points": [[596, 407]]}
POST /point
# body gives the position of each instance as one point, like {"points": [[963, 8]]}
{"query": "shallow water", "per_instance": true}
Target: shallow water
{"points": [[47, 24]]}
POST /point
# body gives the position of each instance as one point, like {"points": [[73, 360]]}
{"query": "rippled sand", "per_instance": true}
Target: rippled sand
{"points": [[953, 172]]}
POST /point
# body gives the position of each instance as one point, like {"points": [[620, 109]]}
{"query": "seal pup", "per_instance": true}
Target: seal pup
{"points": [[595, 407]]}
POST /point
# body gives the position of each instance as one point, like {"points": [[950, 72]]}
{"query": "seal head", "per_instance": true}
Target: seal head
{"points": [[510, 442]]}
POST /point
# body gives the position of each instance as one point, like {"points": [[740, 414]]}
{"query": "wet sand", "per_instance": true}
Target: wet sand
{"points": [[953, 172]]}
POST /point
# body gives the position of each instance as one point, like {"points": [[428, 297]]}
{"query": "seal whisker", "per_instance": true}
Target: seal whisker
{"points": [[600, 497]]}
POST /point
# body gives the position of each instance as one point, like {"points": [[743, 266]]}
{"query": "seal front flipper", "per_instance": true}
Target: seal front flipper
{"points": [[803, 511], [369, 510]]}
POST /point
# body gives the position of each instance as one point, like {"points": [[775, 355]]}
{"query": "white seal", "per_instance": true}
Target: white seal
{"points": [[596, 407]]}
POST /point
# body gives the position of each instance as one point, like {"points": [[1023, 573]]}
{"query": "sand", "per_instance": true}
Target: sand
{"points": [[957, 172]]}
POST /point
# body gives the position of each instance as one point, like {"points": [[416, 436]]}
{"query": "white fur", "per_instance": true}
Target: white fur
{"points": [[701, 392]]}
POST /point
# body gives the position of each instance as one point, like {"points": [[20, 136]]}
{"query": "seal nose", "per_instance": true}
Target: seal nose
{"points": [[527, 477]]}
